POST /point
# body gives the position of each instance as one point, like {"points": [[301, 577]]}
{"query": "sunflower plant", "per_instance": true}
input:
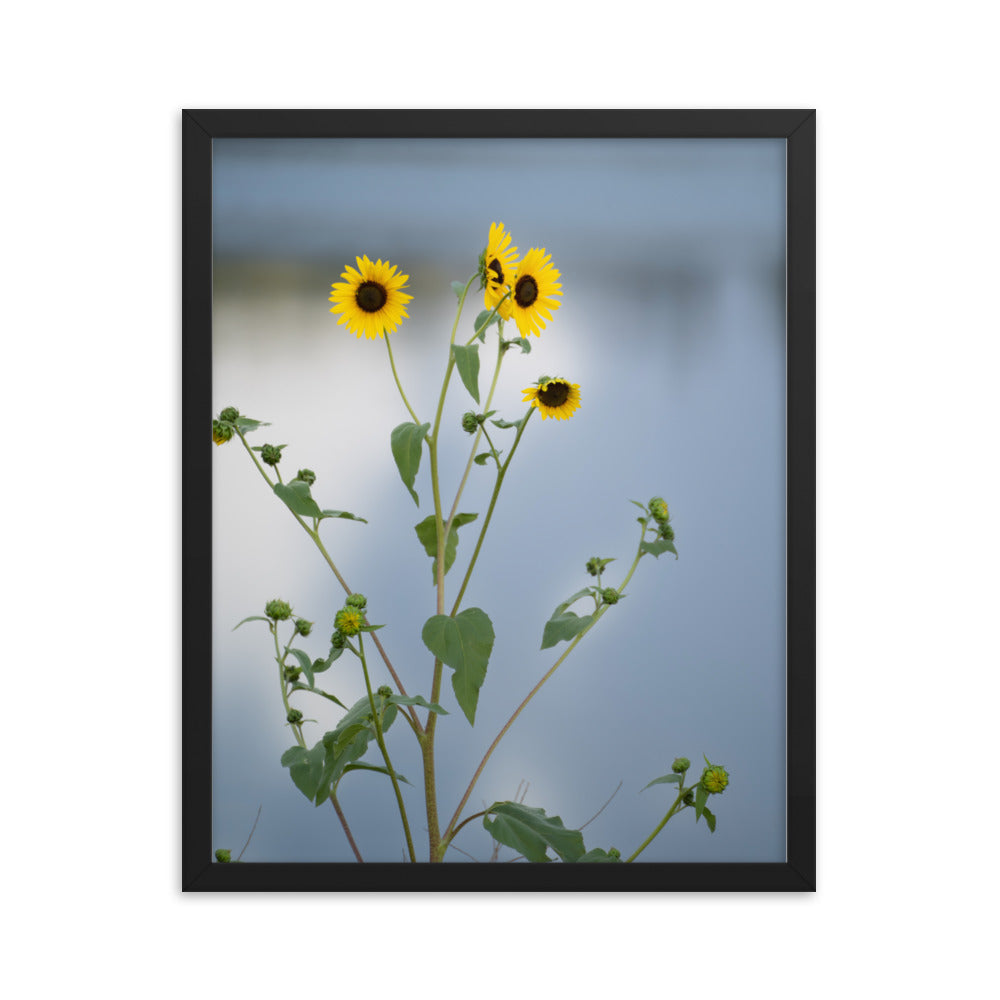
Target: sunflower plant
{"points": [[371, 302]]}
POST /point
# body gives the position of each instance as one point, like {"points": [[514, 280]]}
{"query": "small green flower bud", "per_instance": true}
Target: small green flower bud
{"points": [[469, 422], [667, 532], [688, 798], [613, 852], [319, 666], [302, 626], [594, 566], [229, 414], [356, 601], [306, 476], [292, 674], [271, 454], [680, 765], [384, 691], [294, 716], [714, 779], [278, 610], [610, 595], [223, 856], [221, 433], [337, 640], [348, 621], [658, 508]]}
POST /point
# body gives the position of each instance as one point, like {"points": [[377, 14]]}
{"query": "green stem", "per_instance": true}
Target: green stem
{"points": [[662, 824], [280, 658], [489, 513], [314, 535], [377, 722], [392, 363], [451, 829]]}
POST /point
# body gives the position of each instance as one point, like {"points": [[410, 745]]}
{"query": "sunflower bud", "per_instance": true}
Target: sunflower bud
{"points": [[223, 856], [348, 621], [306, 476], [688, 797], [294, 716], [278, 610], [230, 414], [613, 852], [470, 422], [337, 640], [292, 674], [610, 595], [680, 765], [302, 626], [356, 601], [658, 508], [714, 779], [384, 691], [667, 532], [221, 433], [271, 454]]}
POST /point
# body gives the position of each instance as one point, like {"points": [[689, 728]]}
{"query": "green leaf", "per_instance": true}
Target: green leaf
{"points": [[561, 628], [252, 618], [427, 533], [598, 854], [306, 663], [709, 819], [504, 424], [297, 498], [464, 643], [521, 342], [375, 767], [481, 319], [529, 831], [483, 458], [674, 779], [641, 506], [340, 513], [467, 363], [315, 690], [320, 665], [658, 547], [700, 798], [407, 442], [418, 699], [458, 287], [246, 424], [305, 768], [572, 600]]}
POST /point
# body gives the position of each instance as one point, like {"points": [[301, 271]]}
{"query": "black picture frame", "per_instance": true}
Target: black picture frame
{"points": [[798, 129]]}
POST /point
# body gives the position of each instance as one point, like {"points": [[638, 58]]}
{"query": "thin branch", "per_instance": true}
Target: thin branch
{"points": [[254, 827]]}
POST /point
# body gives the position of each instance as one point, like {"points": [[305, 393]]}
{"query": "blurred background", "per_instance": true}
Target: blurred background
{"points": [[672, 255]]}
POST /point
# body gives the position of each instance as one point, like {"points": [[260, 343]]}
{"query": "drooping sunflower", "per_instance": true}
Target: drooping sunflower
{"points": [[554, 397], [370, 298], [536, 281], [499, 262]]}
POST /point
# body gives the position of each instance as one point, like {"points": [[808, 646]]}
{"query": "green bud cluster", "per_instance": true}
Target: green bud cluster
{"points": [[658, 508], [688, 797], [338, 640], [348, 621], [230, 415], [278, 610], [610, 595], [613, 852], [221, 433], [680, 765], [223, 856], [302, 626], [292, 674], [667, 532], [384, 691], [306, 476], [294, 716], [470, 422], [356, 601], [271, 454]]}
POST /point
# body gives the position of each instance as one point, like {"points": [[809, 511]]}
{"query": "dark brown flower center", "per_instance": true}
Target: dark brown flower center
{"points": [[371, 296], [496, 269], [554, 393], [526, 291]]}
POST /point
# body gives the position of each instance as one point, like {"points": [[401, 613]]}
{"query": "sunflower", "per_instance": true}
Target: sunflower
{"points": [[370, 298], [535, 282], [554, 397], [499, 264]]}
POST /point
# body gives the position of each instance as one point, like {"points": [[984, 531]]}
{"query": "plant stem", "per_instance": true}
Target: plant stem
{"points": [[280, 658], [314, 535], [347, 829], [392, 363], [662, 824], [450, 829], [377, 723]]}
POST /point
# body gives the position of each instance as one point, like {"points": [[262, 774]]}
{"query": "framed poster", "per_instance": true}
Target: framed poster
{"points": [[499, 571]]}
